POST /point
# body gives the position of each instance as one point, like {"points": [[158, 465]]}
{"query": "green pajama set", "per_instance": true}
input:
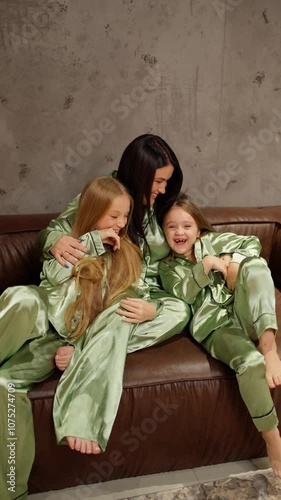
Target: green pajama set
{"points": [[89, 391], [229, 324]]}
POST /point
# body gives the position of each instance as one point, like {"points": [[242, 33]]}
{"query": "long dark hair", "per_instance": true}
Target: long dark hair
{"points": [[136, 171]]}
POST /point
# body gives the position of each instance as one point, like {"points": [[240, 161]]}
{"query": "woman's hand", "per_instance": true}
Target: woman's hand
{"points": [[232, 273], [136, 310], [211, 262], [68, 249], [110, 237]]}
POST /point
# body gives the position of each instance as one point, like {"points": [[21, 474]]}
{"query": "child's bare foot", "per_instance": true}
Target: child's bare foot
{"points": [[273, 445], [63, 357], [272, 369], [268, 348], [83, 445]]}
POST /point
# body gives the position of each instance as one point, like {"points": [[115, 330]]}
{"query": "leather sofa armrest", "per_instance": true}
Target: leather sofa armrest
{"points": [[275, 258]]}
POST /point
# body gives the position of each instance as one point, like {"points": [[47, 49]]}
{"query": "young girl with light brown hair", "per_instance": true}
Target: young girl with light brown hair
{"points": [[229, 289]]}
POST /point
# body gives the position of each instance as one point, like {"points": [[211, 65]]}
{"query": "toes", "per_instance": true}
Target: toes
{"points": [[83, 445], [60, 351], [71, 442], [95, 448], [270, 381]]}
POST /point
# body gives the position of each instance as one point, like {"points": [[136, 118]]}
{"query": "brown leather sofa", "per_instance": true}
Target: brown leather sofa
{"points": [[179, 408]]}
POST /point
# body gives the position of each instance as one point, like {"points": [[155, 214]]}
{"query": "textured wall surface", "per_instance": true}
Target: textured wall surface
{"points": [[81, 78]]}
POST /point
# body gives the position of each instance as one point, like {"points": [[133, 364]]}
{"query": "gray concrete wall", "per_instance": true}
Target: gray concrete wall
{"points": [[81, 78]]}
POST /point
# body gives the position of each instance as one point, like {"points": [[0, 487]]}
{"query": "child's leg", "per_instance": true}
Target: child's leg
{"points": [[166, 324], [232, 347], [273, 446], [89, 391], [268, 348], [255, 307]]}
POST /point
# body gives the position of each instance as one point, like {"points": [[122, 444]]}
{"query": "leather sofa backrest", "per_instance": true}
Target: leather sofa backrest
{"points": [[20, 253]]}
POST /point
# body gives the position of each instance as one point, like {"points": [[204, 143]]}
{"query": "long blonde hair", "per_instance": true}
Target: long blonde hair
{"points": [[99, 285]]}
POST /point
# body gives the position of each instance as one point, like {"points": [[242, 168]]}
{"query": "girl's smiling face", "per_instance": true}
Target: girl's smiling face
{"points": [[117, 215], [181, 231]]}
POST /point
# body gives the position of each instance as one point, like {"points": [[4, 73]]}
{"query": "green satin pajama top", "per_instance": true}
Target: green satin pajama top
{"points": [[207, 294], [158, 247]]}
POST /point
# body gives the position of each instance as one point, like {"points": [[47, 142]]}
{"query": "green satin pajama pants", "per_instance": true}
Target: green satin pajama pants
{"points": [[89, 391], [234, 343]]}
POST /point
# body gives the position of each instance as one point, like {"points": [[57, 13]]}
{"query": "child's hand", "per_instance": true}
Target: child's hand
{"points": [[211, 262], [232, 272], [226, 258], [136, 310], [110, 237]]}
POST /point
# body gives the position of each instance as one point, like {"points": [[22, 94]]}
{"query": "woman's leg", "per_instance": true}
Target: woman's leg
{"points": [[23, 316], [33, 363], [171, 318]]}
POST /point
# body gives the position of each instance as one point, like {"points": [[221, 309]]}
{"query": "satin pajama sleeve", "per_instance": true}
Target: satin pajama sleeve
{"points": [[60, 286], [61, 226], [238, 246], [56, 274], [183, 282]]}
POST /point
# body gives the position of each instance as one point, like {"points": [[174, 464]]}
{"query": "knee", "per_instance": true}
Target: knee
{"points": [[250, 364], [23, 298], [252, 265]]}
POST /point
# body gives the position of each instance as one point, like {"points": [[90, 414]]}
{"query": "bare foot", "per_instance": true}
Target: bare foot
{"points": [[272, 369], [83, 445], [63, 357], [273, 445], [268, 348]]}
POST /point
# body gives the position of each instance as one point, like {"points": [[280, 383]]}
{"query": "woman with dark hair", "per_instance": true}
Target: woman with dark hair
{"points": [[151, 172], [141, 158]]}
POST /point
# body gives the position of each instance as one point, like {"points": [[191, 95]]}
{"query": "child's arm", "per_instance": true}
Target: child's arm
{"points": [[183, 281], [233, 249], [236, 245], [59, 283], [211, 262]]}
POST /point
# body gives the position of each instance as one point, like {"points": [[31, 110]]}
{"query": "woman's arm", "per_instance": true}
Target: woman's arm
{"points": [[55, 240]]}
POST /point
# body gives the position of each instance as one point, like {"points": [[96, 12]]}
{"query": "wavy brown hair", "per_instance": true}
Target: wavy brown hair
{"points": [[100, 281], [188, 206]]}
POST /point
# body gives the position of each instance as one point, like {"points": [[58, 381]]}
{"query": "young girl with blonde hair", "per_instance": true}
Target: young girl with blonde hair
{"points": [[231, 295], [82, 302]]}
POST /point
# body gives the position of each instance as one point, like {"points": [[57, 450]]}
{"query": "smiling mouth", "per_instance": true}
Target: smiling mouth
{"points": [[180, 240]]}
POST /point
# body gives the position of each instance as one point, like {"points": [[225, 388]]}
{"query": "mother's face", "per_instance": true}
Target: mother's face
{"points": [[161, 177]]}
